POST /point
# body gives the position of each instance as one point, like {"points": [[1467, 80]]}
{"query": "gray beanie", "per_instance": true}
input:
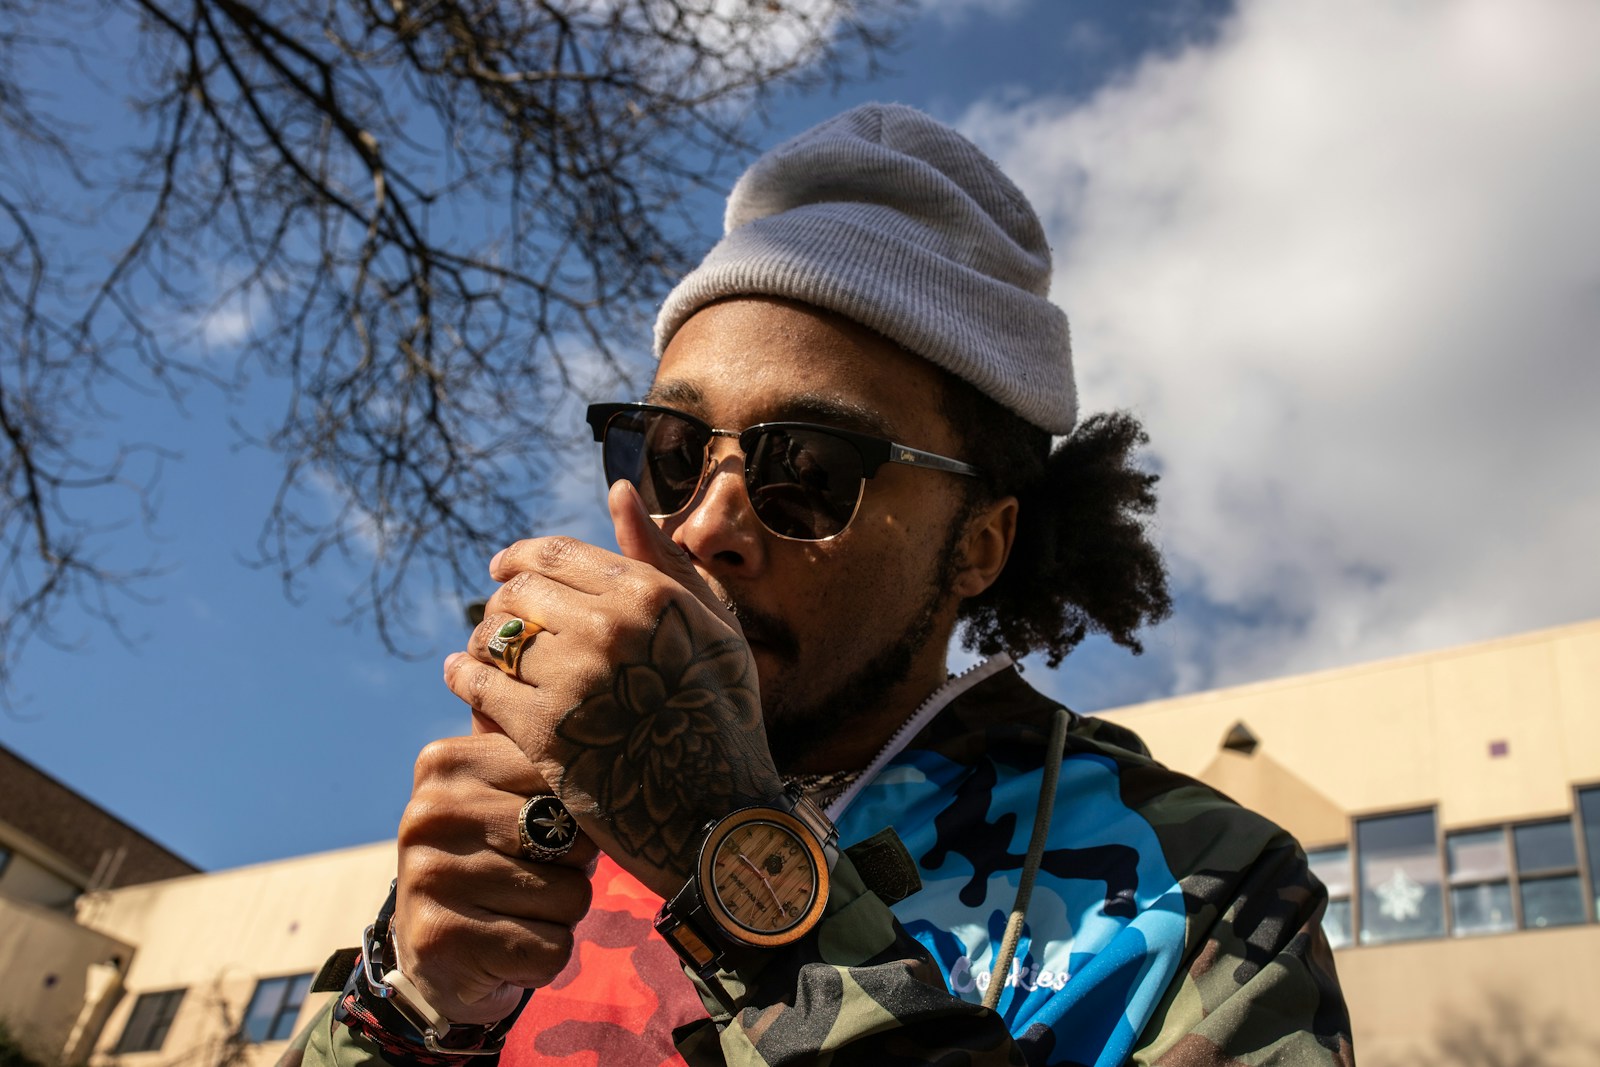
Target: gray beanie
{"points": [[894, 220]]}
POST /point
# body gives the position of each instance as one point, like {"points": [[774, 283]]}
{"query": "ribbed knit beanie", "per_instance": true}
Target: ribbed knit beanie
{"points": [[896, 221]]}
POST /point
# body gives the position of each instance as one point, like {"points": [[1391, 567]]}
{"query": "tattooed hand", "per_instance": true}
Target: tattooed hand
{"points": [[638, 703]]}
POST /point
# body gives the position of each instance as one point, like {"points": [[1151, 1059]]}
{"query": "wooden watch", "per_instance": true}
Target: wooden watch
{"points": [[761, 882]]}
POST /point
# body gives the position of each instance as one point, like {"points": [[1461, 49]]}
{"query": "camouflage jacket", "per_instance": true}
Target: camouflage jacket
{"points": [[1167, 925]]}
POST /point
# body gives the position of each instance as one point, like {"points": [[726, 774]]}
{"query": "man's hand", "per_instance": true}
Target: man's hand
{"points": [[475, 923], [638, 702]]}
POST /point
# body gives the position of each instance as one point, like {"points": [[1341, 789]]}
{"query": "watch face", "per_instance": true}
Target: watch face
{"points": [[764, 877]]}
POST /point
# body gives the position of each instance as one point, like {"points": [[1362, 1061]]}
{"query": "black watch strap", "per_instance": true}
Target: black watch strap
{"points": [[880, 861], [685, 922]]}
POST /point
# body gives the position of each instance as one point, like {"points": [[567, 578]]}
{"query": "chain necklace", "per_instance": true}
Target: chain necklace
{"points": [[822, 789]]}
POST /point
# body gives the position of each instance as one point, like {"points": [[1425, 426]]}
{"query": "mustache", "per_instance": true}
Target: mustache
{"points": [[769, 631]]}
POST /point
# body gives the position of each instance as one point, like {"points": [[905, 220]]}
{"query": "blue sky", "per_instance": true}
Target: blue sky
{"points": [[1341, 259]]}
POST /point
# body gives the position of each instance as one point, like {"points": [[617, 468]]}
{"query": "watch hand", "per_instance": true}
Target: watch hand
{"points": [[759, 873]]}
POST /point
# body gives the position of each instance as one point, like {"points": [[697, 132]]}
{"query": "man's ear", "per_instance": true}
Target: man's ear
{"points": [[990, 534]]}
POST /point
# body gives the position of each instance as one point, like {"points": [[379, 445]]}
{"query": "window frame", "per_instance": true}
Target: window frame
{"points": [[1509, 879], [1588, 866], [1349, 895], [162, 1020], [1357, 887], [281, 1012], [1547, 873]]}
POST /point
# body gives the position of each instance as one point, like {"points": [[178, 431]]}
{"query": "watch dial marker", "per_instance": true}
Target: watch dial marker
{"points": [[754, 882]]}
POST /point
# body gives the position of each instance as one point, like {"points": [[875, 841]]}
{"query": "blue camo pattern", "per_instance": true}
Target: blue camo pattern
{"points": [[1105, 930]]}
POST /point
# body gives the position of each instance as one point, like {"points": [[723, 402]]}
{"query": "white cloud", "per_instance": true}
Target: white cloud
{"points": [[227, 325], [955, 11], [1343, 260], [710, 46]]}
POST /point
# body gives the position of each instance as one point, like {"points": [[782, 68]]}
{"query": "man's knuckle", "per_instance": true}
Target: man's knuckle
{"points": [[432, 931], [541, 955], [428, 812], [420, 811], [560, 941], [564, 894], [422, 867], [603, 626], [651, 595], [584, 897], [553, 552], [439, 759], [481, 633], [514, 586], [479, 682]]}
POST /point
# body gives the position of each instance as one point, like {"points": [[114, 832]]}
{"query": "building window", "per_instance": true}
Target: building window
{"points": [[149, 1021], [1401, 890], [1547, 873], [1479, 863], [275, 1006], [1525, 876], [1332, 868], [1589, 812]]}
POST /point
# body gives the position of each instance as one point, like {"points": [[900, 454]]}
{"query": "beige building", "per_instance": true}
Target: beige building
{"points": [[1451, 801], [225, 960], [58, 978]]}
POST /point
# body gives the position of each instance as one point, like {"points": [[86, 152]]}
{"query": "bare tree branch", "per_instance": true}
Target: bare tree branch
{"points": [[444, 218]]}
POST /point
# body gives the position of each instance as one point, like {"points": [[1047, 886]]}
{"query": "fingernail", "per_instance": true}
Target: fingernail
{"points": [[494, 563], [639, 501]]}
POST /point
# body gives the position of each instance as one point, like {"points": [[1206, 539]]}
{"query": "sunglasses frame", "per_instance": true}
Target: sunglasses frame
{"points": [[874, 453]]}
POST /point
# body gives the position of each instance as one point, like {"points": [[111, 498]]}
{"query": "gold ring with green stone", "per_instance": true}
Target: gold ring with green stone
{"points": [[506, 644]]}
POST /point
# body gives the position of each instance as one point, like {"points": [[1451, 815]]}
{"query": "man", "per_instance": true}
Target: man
{"points": [[845, 452]]}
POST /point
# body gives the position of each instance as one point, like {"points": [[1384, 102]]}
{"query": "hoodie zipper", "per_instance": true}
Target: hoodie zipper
{"points": [[936, 702]]}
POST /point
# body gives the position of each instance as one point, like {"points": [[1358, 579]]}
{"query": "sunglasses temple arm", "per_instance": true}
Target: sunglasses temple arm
{"points": [[916, 457]]}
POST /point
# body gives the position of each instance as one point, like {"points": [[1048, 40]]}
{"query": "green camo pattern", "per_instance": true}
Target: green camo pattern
{"points": [[1257, 985]]}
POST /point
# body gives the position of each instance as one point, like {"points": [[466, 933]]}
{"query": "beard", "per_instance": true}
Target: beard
{"points": [[795, 730]]}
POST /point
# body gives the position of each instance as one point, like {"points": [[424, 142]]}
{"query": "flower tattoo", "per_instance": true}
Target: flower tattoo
{"points": [[673, 742]]}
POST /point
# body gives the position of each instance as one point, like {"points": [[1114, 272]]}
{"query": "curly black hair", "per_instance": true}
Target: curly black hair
{"points": [[1083, 561]]}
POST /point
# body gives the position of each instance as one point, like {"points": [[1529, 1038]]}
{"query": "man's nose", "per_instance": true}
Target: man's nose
{"points": [[719, 529]]}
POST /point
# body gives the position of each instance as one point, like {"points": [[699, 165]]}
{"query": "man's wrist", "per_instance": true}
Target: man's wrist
{"points": [[383, 1003], [760, 883], [856, 930]]}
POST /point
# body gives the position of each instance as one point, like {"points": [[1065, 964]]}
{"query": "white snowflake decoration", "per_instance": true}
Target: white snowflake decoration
{"points": [[1401, 897]]}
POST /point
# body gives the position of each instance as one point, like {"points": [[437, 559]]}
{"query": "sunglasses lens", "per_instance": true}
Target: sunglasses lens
{"points": [[803, 484], [661, 454]]}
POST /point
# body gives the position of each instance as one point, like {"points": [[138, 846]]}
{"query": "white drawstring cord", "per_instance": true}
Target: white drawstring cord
{"points": [[1030, 867]]}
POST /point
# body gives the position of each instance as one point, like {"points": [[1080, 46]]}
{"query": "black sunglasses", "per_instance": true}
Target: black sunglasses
{"points": [[804, 481]]}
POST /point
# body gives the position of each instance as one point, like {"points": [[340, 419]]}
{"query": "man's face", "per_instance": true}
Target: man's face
{"points": [[849, 632]]}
